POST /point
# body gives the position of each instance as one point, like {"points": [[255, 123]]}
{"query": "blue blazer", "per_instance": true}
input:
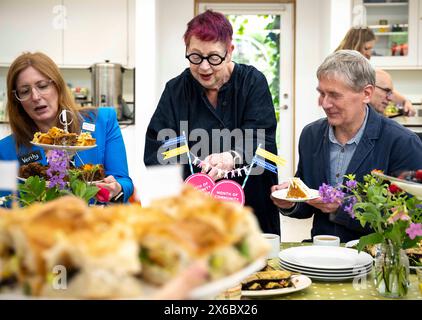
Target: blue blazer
{"points": [[385, 145], [110, 150]]}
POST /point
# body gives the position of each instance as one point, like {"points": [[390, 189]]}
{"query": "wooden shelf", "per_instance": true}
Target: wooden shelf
{"points": [[403, 33], [386, 4]]}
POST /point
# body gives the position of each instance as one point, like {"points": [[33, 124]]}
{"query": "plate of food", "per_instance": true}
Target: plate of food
{"points": [[91, 173], [75, 251], [409, 181], [62, 147], [56, 138], [392, 111], [296, 192], [273, 283]]}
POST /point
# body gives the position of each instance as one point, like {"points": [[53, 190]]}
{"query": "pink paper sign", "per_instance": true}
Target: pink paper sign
{"points": [[201, 182], [228, 190]]}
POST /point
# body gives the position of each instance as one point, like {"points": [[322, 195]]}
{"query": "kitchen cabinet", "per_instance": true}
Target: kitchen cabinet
{"points": [[397, 28], [74, 33], [28, 27], [96, 31]]}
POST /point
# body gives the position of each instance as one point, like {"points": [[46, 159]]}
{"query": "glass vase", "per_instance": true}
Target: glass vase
{"points": [[391, 271]]}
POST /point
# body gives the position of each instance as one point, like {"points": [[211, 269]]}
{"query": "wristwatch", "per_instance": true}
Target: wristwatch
{"points": [[118, 197]]}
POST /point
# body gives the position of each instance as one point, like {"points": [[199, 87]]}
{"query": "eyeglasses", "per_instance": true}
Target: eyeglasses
{"points": [[387, 91], [23, 93], [213, 59]]}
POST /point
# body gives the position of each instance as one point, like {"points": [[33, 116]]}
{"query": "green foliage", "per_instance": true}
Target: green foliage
{"points": [[35, 189], [388, 213]]}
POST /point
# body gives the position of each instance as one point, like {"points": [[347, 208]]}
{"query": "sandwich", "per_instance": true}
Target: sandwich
{"points": [[225, 234], [297, 189], [267, 280], [66, 249]]}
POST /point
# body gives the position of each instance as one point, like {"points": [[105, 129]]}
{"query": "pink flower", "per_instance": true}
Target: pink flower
{"points": [[414, 230], [398, 215], [103, 195]]}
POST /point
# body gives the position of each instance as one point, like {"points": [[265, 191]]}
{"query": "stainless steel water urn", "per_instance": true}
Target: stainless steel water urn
{"points": [[107, 85]]}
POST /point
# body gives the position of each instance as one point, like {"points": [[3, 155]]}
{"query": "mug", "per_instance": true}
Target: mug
{"points": [[326, 240], [274, 242]]}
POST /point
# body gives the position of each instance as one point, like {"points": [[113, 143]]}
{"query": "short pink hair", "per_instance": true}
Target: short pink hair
{"points": [[209, 26]]}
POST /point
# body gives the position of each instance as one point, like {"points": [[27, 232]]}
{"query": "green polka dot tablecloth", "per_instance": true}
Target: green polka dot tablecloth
{"points": [[362, 289]]}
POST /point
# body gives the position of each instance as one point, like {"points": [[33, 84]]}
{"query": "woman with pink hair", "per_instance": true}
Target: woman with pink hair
{"points": [[215, 94]]}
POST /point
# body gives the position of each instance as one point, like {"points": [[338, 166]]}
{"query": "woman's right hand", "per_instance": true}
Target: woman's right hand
{"points": [[283, 204]]}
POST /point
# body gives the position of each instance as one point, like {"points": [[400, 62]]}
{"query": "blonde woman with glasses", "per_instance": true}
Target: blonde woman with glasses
{"points": [[36, 95]]}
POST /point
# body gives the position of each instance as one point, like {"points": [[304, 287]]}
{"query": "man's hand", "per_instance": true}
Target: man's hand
{"points": [[283, 204], [324, 207], [408, 109]]}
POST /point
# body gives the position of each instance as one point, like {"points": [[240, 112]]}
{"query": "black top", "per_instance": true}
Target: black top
{"points": [[244, 102]]}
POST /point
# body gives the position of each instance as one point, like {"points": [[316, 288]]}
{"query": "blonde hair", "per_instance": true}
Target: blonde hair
{"points": [[356, 38], [22, 125]]}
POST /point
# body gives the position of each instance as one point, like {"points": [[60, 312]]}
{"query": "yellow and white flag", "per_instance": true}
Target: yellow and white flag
{"points": [[175, 152], [271, 156]]}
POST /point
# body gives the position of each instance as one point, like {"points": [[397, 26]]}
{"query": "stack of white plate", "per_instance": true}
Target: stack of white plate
{"points": [[326, 263]]}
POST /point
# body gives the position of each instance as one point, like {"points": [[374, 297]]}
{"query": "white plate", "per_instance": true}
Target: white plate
{"points": [[300, 282], [325, 257], [412, 188], [352, 243], [281, 194], [59, 147], [327, 271], [212, 289], [206, 291], [356, 272]]}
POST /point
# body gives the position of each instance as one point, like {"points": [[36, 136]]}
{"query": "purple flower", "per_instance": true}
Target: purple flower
{"points": [[58, 161], [351, 184], [329, 194], [419, 206], [414, 230], [348, 206]]}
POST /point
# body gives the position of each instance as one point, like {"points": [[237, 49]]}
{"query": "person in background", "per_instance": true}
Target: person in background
{"points": [[216, 94], [383, 92], [363, 40], [36, 95], [352, 139]]}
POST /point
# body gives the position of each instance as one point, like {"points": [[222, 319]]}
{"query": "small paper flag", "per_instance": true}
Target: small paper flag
{"points": [[270, 156], [175, 152], [174, 141], [266, 165]]}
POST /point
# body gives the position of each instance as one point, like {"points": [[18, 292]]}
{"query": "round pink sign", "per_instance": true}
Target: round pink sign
{"points": [[201, 182], [228, 190]]}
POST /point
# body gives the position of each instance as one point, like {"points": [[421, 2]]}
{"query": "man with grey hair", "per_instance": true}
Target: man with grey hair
{"points": [[352, 139]]}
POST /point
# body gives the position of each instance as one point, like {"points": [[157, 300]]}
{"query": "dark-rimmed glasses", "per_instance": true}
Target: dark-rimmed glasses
{"points": [[387, 91], [23, 93], [213, 59]]}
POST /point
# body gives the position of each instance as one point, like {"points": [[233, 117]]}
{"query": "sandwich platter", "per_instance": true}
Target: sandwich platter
{"points": [[206, 291], [300, 282], [61, 147]]}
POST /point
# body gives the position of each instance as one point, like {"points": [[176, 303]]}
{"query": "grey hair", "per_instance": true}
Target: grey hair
{"points": [[349, 65]]}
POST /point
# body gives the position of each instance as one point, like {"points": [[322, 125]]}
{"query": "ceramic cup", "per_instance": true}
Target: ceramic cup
{"points": [[274, 242], [326, 240]]}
